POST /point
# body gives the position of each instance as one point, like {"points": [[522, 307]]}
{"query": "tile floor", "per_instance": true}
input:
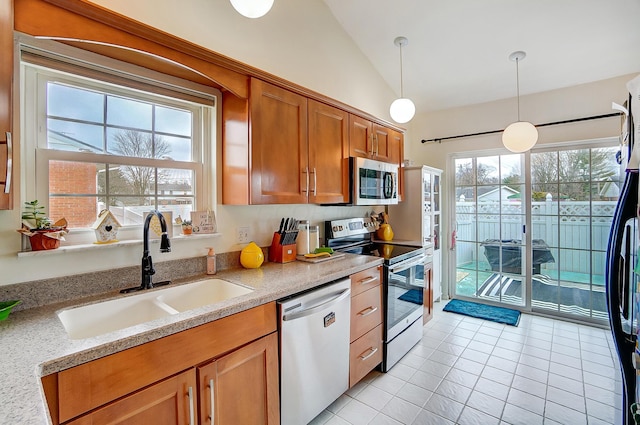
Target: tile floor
{"points": [[469, 371]]}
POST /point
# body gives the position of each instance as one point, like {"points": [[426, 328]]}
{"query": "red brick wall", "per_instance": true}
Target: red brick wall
{"points": [[72, 178]]}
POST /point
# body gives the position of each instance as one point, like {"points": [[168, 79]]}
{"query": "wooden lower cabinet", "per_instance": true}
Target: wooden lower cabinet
{"points": [[242, 387], [166, 403], [365, 351], [154, 380]]}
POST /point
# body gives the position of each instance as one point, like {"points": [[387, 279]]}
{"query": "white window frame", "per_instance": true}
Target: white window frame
{"points": [[35, 155]]}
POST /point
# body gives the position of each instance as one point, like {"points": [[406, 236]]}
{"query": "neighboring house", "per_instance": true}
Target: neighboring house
{"points": [[609, 191], [502, 193]]}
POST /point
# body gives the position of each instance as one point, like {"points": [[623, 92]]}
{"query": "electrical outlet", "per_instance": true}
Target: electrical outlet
{"points": [[243, 234]]}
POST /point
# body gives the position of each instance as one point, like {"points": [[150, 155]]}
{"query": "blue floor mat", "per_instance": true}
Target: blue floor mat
{"points": [[482, 311], [412, 296]]}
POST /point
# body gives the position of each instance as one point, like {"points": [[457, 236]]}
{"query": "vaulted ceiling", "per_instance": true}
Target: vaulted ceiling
{"points": [[458, 50]]}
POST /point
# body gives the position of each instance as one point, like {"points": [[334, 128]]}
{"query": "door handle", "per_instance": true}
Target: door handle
{"points": [[372, 351], [367, 280], [192, 417], [367, 311], [306, 172], [212, 401], [7, 178], [315, 182]]}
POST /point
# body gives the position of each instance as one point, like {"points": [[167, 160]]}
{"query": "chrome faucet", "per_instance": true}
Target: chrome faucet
{"points": [[147, 262]]}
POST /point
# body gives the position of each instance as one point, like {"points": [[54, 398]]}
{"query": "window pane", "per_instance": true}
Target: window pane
{"points": [[174, 121], [79, 211], [75, 103], [131, 180], [175, 148], [544, 167], [74, 136], [72, 178], [510, 169], [134, 143], [129, 113], [464, 172], [487, 171], [175, 182], [575, 165]]}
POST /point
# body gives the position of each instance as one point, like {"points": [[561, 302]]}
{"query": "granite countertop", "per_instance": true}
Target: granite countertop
{"points": [[35, 344]]}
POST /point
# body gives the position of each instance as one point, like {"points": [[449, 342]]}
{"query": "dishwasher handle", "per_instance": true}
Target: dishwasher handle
{"points": [[312, 310]]}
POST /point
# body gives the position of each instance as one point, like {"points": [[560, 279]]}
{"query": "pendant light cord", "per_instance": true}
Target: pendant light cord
{"points": [[518, 85], [401, 83]]}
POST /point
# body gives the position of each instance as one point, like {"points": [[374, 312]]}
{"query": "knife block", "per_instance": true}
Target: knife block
{"points": [[281, 253]]}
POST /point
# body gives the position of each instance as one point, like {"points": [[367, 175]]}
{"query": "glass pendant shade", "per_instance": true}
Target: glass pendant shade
{"points": [[402, 110], [252, 8], [520, 136]]}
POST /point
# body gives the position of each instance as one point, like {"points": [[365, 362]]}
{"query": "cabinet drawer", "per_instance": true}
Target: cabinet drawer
{"points": [[365, 280], [366, 312], [365, 354]]}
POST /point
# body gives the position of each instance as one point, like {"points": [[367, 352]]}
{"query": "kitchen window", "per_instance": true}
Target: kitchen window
{"points": [[97, 139]]}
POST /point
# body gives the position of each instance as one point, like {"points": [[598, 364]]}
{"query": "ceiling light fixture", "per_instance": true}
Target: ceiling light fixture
{"points": [[402, 109], [252, 8], [519, 136]]}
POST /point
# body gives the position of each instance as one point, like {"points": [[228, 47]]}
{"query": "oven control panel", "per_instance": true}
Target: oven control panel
{"points": [[351, 226]]}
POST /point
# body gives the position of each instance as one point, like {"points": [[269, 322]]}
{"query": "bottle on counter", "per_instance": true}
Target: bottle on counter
{"points": [[302, 241], [211, 262]]}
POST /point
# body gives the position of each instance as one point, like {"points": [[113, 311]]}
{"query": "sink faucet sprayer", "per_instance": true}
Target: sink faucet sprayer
{"points": [[147, 263]]}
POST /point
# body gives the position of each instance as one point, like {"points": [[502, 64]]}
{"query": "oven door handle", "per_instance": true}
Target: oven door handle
{"points": [[404, 266]]}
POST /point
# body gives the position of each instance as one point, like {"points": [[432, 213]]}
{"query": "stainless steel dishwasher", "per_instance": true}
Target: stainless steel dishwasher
{"points": [[314, 351]]}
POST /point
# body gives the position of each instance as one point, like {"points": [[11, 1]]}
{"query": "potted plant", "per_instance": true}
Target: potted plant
{"points": [[42, 232], [187, 228]]}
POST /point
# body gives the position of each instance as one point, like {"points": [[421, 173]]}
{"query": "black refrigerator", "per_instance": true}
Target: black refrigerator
{"points": [[622, 269]]}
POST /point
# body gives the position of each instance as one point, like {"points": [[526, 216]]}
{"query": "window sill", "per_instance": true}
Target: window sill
{"points": [[95, 246]]}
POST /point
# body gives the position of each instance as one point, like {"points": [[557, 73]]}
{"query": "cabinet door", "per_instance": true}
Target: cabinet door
{"points": [[169, 402], [279, 158], [360, 137], [328, 154], [6, 106], [381, 136], [242, 386]]}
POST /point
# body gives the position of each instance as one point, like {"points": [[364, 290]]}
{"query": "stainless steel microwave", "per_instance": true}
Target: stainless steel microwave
{"points": [[374, 182]]}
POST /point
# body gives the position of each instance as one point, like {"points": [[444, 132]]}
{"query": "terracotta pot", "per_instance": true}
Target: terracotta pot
{"points": [[187, 230], [40, 242]]}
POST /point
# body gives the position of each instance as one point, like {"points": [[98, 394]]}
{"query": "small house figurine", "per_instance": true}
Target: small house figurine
{"points": [[106, 227]]}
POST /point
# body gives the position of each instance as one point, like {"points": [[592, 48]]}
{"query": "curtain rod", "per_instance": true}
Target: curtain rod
{"points": [[595, 117]]}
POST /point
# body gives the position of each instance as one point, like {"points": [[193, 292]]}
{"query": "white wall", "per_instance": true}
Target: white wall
{"points": [[299, 41], [558, 105]]}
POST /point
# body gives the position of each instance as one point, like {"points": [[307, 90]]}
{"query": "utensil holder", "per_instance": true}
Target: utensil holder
{"points": [[281, 253]]}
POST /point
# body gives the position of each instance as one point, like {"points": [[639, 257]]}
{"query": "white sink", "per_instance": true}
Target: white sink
{"points": [[198, 294], [108, 316]]}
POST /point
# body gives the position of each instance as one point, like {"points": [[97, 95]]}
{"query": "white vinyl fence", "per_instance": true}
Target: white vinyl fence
{"points": [[575, 231]]}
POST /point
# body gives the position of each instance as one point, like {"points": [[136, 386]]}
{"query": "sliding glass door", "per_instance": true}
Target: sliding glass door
{"points": [[489, 228], [566, 197]]}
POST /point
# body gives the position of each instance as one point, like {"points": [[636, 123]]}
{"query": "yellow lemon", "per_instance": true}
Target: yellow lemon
{"points": [[251, 256]]}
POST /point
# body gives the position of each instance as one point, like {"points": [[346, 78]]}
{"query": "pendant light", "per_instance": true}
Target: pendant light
{"points": [[252, 8], [402, 109], [519, 136]]}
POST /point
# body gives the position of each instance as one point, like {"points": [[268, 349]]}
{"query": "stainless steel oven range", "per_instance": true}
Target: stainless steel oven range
{"points": [[403, 282]]}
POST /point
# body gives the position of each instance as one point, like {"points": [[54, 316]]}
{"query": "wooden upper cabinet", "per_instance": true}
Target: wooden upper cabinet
{"points": [[360, 137], [243, 386], [381, 136], [328, 154], [6, 103], [279, 156]]}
